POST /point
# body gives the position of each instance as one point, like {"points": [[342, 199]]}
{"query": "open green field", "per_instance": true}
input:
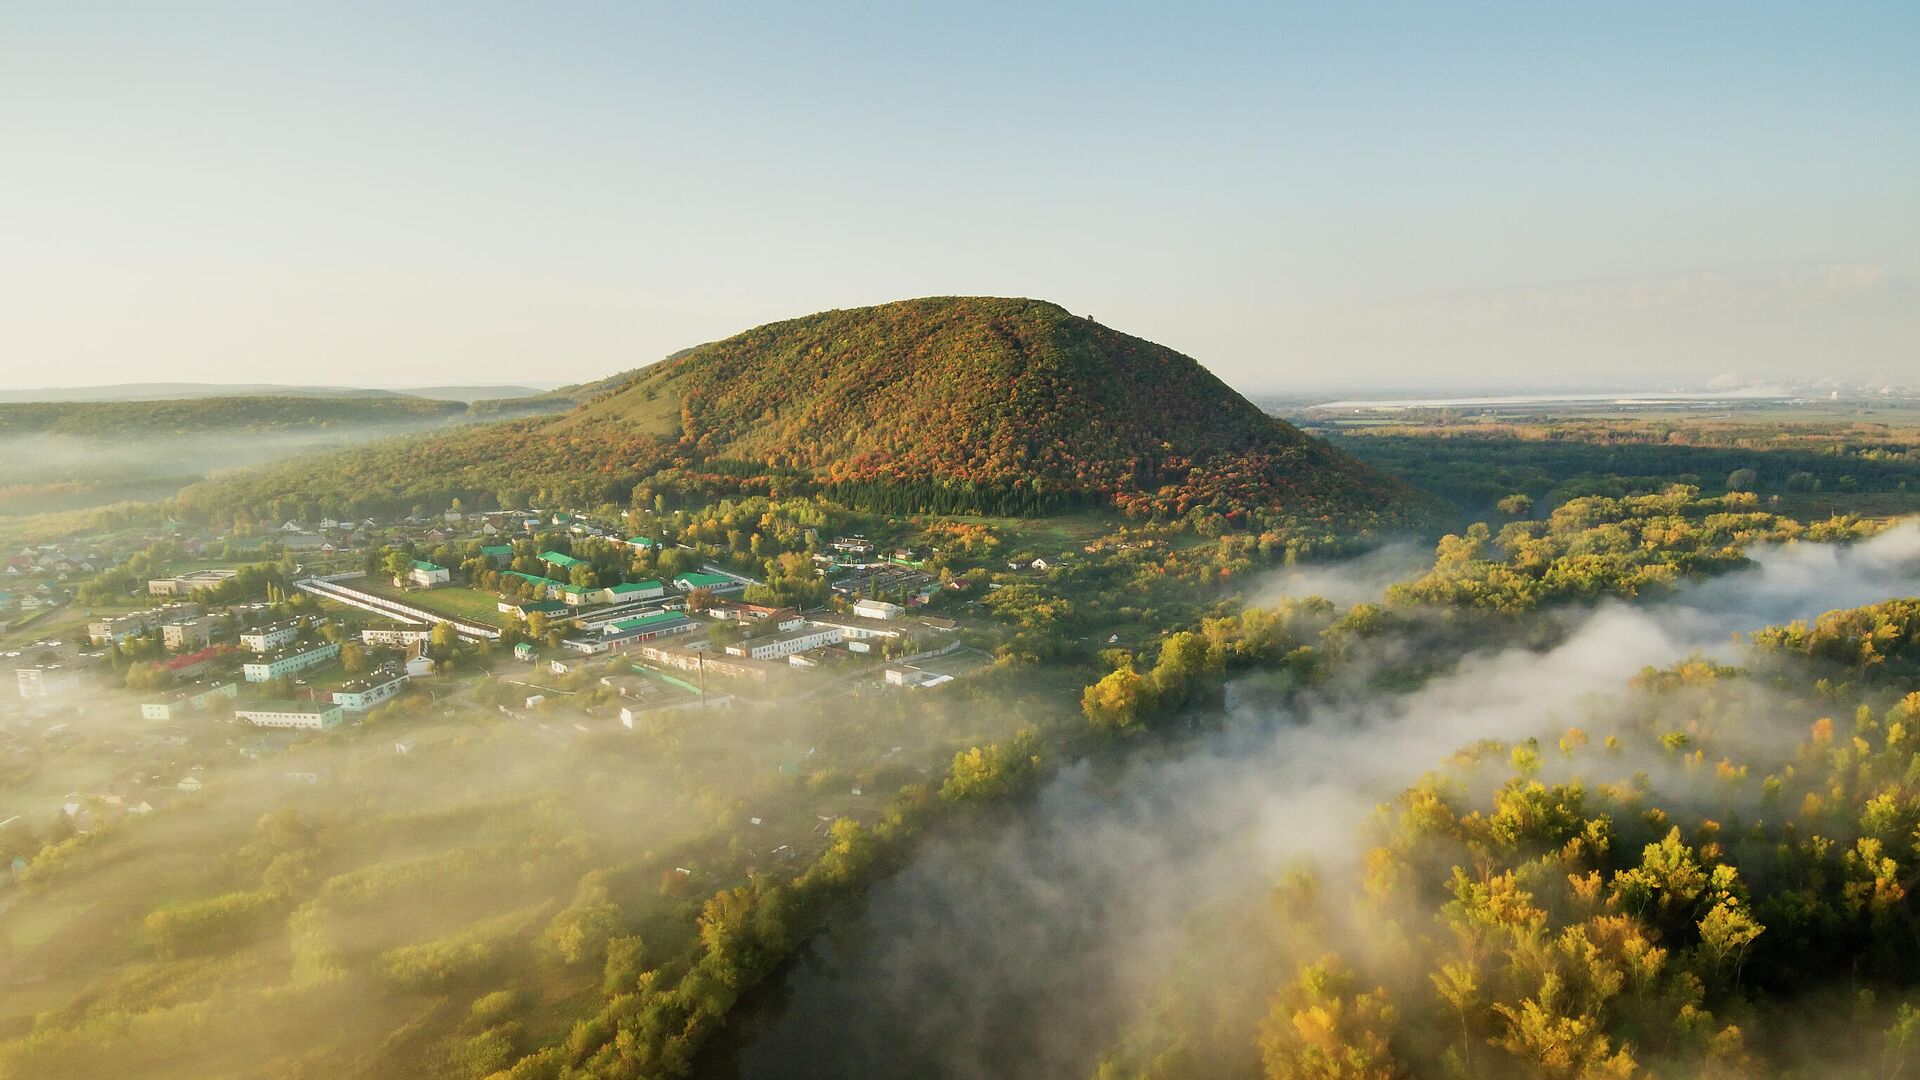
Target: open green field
{"points": [[1044, 536], [957, 663], [60, 624], [454, 601]]}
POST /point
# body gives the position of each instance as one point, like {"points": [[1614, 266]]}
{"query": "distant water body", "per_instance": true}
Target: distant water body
{"points": [[1552, 399]]}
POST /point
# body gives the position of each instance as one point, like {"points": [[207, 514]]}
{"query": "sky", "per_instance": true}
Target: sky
{"points": [[1301, 196]]}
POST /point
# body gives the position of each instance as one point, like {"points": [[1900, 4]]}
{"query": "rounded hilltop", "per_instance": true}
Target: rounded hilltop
{"points": [[951, 398]]}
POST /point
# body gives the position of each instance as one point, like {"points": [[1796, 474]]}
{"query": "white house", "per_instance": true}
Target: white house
{"points": [[876, 609], [426, 574]]}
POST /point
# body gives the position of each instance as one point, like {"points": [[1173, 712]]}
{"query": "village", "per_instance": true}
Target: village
{"points": [[211, 660]]}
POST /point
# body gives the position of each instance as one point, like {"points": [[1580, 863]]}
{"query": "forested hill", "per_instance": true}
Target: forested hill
{"points": [[996, 393], [943, 404]]}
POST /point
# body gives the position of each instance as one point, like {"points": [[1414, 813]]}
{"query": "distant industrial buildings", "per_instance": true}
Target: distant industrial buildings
{"points": [[181, 584]]}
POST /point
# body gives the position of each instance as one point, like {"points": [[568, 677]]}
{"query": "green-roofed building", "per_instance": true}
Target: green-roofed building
{"points": [[659, 618], [630, 632], [635, 590], [641, 542], [565, 562], [703, 581], [548, 586], [426, 574], [500, 553]]}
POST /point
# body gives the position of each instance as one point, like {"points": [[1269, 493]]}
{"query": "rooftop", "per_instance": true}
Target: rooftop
{"points": [[371, 680], [548, 606], [556, 559], [293, 650], [784, 635], [283, 705], [663, 618]]}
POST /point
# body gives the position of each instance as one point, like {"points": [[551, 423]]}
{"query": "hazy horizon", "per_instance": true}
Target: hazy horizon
{"points": [[1300, 198]]}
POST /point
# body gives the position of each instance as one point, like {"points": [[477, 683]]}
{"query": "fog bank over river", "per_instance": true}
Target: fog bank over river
{"points": [[1021, 947]]}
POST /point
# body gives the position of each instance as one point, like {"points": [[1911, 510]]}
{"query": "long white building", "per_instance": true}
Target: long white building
{"points": [[787, 643], [308, 715], [267, 638], [360, 695], [400, 636], [289, 661]]}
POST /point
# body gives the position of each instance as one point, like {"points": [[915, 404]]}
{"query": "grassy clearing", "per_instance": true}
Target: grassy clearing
{"points": [[453, 601], [1044, 536]]}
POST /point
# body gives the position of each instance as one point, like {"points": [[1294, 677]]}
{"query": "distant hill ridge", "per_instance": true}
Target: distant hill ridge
{"points": [[943, 404], [196, 391]]}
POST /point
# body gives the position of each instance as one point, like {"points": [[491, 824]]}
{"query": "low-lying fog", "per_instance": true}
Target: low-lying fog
{"points": [[43, 472], [1020, 950]]}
